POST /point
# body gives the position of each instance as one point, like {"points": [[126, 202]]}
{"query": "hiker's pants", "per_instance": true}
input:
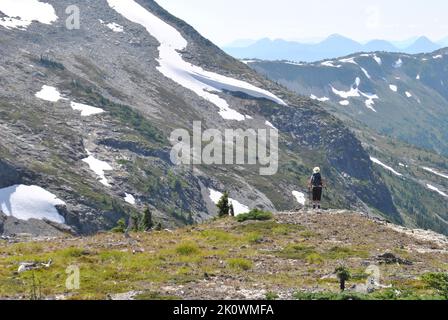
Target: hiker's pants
{"points": [[317, 193]]}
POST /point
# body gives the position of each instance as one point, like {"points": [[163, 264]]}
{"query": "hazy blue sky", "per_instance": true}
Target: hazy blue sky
{"points": [[224, 21]]}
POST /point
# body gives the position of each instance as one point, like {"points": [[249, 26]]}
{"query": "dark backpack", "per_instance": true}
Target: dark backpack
{"points": [[316, 180]]}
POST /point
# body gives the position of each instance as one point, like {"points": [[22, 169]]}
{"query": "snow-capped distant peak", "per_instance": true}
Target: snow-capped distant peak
{"points": [[21, 13], [204, 83]]}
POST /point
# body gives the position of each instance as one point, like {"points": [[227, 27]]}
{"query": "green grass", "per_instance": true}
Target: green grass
{"points": [[240, 264], [187, 249], [341, 253], [297, 252]]}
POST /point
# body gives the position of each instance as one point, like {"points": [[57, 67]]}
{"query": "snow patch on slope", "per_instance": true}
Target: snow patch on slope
{"points": [[239, 208], [86, 110], [348, 60], [355, 92], [323, 99], [330, 64], [435, 172], [99, 167], [30, 202], [49, 93], [115, 27], [432, 188], [269, 124], [370, 102], [300, 197], [21, 13], [366, 73], [376, 161], [129, 198], [377, 59], [204, 83], [398, 63]]}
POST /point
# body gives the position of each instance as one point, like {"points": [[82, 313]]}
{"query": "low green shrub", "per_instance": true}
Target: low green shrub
{"points": [[437, 281], [255, 215]]}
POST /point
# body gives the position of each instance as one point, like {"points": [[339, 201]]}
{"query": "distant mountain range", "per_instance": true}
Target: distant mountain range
{"points": [[334, 46], [400, 95]]}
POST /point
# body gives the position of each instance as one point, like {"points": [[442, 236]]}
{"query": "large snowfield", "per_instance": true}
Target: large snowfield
{"points": [[30, 202], [204, 83], [21, 13], [238, 207]]}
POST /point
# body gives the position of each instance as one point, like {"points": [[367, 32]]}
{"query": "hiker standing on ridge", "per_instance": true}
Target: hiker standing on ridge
{"points": [[316, 186]]}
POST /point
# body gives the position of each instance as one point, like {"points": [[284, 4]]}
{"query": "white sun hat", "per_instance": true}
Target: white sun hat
{"points": [[316, 170]]}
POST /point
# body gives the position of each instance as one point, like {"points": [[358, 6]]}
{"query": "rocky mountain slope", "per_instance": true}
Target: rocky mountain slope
{"points": [[86, 117], [291, 257]]}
